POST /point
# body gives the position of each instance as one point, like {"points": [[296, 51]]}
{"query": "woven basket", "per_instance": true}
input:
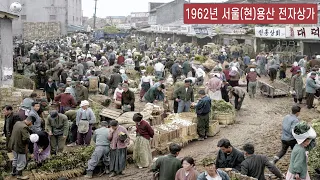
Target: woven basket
{"points": [[214, 128], [224, 118]]}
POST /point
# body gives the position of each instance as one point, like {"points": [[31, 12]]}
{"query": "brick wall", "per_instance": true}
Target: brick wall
{"points": [[10, 97]]}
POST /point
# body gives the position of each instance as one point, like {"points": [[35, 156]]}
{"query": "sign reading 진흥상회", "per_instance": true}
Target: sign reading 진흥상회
{"points": [[250, 13], [270, 32]]}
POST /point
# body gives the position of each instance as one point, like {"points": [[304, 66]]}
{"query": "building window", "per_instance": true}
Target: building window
{"points": [[73, 18], [53, 17], [24, 17]]}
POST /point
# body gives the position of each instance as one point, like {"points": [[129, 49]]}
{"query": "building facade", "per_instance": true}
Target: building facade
{"points": [[6, 46], [167, 13], [65, 12]]}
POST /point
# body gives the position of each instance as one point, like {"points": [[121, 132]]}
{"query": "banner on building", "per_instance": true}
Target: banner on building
{"points": [[270, 32], [303, 32]]}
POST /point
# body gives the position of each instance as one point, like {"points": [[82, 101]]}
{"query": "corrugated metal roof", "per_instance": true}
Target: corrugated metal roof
{"points": [[8, 15]]}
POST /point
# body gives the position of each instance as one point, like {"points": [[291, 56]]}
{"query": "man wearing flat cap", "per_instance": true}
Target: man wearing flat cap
{"points": [[102, 149], [311, 87], [186, 96], [57, 126], [203, 109]]}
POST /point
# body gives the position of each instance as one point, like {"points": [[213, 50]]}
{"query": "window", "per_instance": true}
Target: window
{"points": [[73, 18], [24, 17], [53, 17]]}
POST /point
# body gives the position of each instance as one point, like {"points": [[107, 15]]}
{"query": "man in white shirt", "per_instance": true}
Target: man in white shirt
{"points": [[200, 74], [159, 68]]}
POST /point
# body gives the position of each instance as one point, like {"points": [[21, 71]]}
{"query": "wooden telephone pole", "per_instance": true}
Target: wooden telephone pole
{"points": [[95, 15]]}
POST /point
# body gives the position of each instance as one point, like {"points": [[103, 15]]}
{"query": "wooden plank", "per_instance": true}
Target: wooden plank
{"points": [[112, 114]]}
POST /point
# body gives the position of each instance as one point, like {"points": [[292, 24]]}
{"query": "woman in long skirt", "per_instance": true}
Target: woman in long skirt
{"points": [[119, 139], [142, 149]]}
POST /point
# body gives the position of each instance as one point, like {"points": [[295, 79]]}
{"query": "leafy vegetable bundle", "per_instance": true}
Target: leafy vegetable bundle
{"points": [[66, 160], [221, 106], [314, 154]]}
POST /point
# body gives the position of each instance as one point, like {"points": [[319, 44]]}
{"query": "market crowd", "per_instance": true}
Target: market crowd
{"points": [[70, 70]]}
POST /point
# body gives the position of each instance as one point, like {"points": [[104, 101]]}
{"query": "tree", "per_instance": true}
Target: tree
{"points": [[111, 30]]}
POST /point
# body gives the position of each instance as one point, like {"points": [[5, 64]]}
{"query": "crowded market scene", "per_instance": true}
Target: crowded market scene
{"points": [[150, 103]]}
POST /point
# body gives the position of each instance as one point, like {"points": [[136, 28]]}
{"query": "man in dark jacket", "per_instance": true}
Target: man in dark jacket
{"points": [[186, 96], [18, 144], [115, 79], [168, 165], [229, 157], [127, 99], [176, 71], [10, 120], [49, 89], [154, 94], [254, 165], [203, 109]]}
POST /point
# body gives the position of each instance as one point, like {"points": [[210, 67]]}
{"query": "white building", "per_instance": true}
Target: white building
{"points": [[67, 12]]}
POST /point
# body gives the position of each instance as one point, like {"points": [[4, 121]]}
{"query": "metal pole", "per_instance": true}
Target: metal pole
{"points": [[95, 14]]}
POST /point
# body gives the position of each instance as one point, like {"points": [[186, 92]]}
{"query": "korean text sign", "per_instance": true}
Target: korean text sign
{"points": [[250, 13]]}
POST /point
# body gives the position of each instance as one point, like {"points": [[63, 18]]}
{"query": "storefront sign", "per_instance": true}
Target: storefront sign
{"points": [[201, 31], [154, 27], [185, 29], [165, 29], [270, 32], [303, 32]]}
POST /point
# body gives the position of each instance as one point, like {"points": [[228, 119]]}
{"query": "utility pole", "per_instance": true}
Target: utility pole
{"points": [[95, 15]]}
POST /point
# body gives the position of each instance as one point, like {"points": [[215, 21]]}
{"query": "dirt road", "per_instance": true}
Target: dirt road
{"points": [[258, 122]]}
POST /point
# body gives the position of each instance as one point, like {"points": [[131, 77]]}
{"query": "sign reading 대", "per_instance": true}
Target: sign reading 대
{"points": [[303, 32], [270, 32], [250, 13]]}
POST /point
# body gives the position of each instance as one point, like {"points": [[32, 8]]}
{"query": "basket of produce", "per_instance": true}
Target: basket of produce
{"points": [[223, 112], [214, 128]]}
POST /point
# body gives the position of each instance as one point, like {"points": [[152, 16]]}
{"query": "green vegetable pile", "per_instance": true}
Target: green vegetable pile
{"points": [[200, 59], [301, 128], [221, 106], [66, 160], [314, 154]]}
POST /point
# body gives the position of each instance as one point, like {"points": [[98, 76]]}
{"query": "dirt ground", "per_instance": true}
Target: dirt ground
{"points": [[258, 122]]}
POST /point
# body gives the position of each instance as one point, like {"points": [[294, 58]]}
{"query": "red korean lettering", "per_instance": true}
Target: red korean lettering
{"points": [[248, 13], [291, 13], [261, 14], [213, 13], [270, 13], [226, 13], [300, 12], [235, 14], [315, 31], [311, 13], [283, 14]]}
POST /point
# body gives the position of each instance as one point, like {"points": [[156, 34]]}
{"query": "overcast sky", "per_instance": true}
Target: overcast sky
{"points": [[123, 7]]}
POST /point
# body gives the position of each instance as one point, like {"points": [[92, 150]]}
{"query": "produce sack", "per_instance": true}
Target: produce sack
{"points": [[303, 131]]}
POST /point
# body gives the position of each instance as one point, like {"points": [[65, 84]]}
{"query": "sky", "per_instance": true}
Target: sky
{"points": [[123, 7]]}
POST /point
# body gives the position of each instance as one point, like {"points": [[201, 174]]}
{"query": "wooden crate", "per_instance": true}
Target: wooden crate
{"points": [[156, 120], [192, 130], [189, 116], [214, 128], [109, 113]]}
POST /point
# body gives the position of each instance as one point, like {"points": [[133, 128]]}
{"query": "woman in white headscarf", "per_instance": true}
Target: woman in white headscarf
{"points": [[41, 146], [294, 69], [234, 76], [298, 168]]}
